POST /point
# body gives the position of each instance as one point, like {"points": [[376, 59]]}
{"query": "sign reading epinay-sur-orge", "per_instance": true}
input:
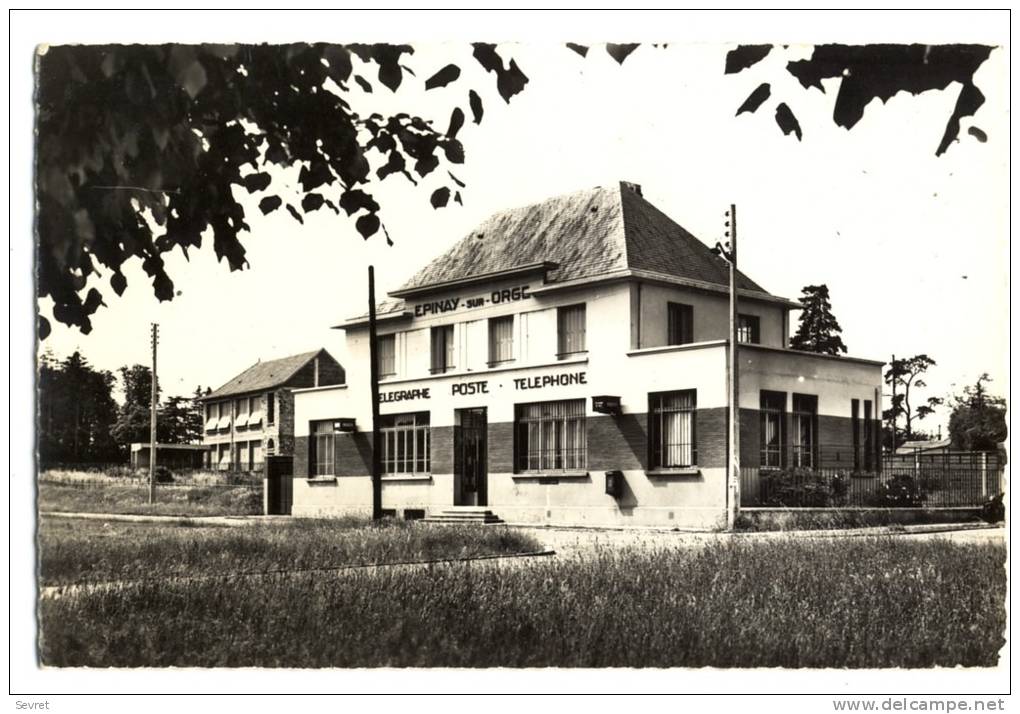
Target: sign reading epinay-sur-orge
{"points": [[496, 297]]}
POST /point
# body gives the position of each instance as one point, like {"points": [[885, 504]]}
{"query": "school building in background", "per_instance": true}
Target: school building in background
{"points": [[252, 415], [566, 363]]}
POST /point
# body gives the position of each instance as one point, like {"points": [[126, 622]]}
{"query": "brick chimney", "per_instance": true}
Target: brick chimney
{"points": [[635, 187]]}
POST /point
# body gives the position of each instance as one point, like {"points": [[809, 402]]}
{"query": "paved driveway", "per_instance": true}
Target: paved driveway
{"points": [[573, 541]]}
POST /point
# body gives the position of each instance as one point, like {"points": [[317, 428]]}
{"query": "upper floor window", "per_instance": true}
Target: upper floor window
{"points": [[749, 329], [270, 408], [680, 324], [551, 436], [671, 429], [571, 323], [772, 410], [501, 340], [405, 443], [805, 429], [442, 349], [387, 354]]}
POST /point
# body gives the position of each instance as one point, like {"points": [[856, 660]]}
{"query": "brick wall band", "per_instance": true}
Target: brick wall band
{"points": [[614, 442]]}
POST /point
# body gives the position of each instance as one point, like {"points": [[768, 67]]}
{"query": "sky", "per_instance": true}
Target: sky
{"points": [[913, 247]]}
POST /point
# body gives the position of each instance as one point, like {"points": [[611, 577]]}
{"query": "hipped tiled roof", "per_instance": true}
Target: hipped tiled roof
{"points": [[588, 233], [603, 231]]}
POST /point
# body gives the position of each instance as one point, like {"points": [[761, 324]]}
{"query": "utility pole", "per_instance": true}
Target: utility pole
{"points": [[729, 254], [152, 419], [373, 359]]}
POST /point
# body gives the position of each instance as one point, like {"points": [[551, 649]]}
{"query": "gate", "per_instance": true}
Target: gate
{"points": [[279, 485]]}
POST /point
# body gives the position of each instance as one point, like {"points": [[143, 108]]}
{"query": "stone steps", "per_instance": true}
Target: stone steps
{"points": [[464, 514]]}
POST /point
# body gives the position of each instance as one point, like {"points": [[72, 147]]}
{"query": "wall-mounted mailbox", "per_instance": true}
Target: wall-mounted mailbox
{"points": [[614, 483], [344, 425], [605, 404]]}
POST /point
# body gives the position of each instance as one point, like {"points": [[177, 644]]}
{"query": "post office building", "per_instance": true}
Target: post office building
{"points": [[566, 363]]}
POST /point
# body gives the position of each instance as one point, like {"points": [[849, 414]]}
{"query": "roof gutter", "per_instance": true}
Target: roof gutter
{"points": [[665, 279], [528, 269]]}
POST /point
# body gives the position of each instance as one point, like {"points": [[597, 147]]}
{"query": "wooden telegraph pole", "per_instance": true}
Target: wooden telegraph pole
{"points": [[729, 254], [373, 359], [152, 418]]}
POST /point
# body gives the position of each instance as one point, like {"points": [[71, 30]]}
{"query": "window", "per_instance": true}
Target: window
{"points": [[387, 355], [772, 407], [680, 327], [501, 340], [270, 408], [571, 326], [671, 429], [551, 436], [749, 329], [323, 443], [405, 440], [442, 349], [805, 416]]}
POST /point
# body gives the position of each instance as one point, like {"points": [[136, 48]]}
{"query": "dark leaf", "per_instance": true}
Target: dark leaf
{"points": [[745, 56], [311, 202], [256, 182], [118, 282], [44, 328], [755, 99], [163, 286], [456, 197], [440, 197], [620, 52], [476, 106], [297, 216], [367, 225], [454, 151], [92, 301], [395, 164], [269, 204], [426, 164], [787, 121], [509, 80], [456, 122], [456, 180], [354, 200], [579, 49], [443, 77], [363, 83], [977, 134]]}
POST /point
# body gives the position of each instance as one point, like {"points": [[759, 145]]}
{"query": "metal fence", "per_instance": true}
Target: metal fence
{"points": [[949, 479]]}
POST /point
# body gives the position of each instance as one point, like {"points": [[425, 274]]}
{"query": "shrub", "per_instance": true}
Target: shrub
{"points": [[902, 491], [994, 510], [803, 488], [164, 475]]}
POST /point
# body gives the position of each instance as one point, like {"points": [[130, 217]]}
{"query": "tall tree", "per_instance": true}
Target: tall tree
{"points": [[178, 421], [76, 412], [818, 330], [907, 374], [978, 419], [142, 148], [133, 421]]}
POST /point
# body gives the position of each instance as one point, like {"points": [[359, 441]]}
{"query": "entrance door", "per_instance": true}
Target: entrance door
{"points": [[470, 457]]}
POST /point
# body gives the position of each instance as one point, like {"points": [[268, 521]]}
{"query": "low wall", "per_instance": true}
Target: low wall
{"points": [[784, 519]]}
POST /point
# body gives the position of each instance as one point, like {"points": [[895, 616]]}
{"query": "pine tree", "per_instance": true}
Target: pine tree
{"points": [[818, 330]]}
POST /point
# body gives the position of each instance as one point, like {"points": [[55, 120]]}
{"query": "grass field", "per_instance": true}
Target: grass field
{"points": [[735, 603], [82, 551], [132, 498]]}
